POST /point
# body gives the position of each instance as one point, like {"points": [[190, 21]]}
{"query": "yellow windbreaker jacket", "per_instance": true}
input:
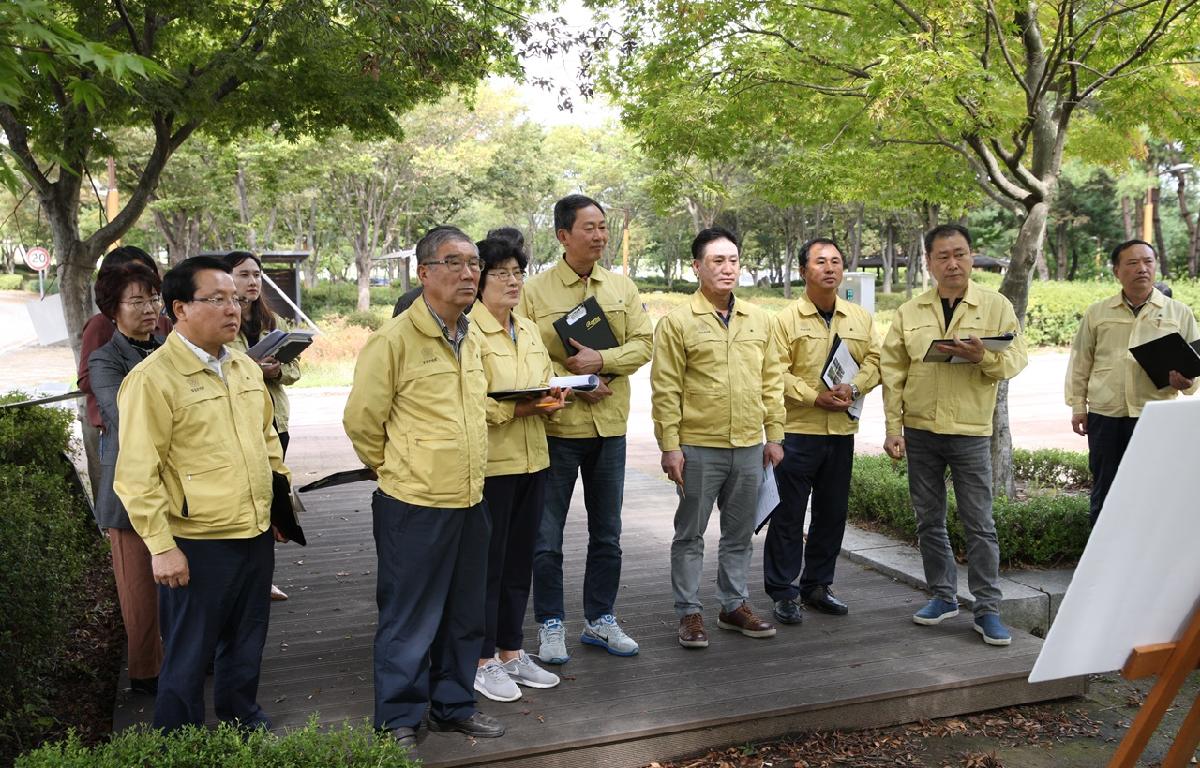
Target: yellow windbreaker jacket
{"points": [[515, 446], [550, 295], [715, 386], [187, 436], [804, 340], [1102, 376], [947, 398], [416, 412]]}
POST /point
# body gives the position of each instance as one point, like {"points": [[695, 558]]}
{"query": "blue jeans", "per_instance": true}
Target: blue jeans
{"points": [[601, 462]]}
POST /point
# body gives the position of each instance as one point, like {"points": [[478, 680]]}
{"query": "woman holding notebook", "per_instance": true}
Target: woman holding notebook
{"points": [[257, 321], [513, 358]]}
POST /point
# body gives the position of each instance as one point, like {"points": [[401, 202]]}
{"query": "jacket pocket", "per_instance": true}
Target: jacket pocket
{"points": [[208, 486], [436, 465]]}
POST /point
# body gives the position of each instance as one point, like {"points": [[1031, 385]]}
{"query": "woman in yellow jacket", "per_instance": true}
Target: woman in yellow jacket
{"points": [[514, 486], [258, 320]]}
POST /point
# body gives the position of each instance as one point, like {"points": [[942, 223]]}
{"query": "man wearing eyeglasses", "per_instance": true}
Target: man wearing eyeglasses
{"points": [[416, 415], [587, 438], [197, 449]]}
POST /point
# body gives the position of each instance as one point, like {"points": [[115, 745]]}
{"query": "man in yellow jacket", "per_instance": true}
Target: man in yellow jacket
{"points": [[818, 447], [416, 415], [197, 449], [717, 387], [587, 438], [1106, 388], [940, 415]]}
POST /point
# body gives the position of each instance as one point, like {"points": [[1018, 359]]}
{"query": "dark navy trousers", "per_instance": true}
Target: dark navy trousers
{"points": [[816, 465], [220, 616], [1108, 437], [432, 579]]}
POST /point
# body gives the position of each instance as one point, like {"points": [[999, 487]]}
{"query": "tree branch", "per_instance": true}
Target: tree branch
{"points": [[910, 13], [996, 176], [124, 15], [1157, 31], [1012, 67], [18, 147]]}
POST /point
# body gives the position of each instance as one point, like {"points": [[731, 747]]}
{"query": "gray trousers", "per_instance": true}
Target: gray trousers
{"points": [[729, 477], [970, 461]]}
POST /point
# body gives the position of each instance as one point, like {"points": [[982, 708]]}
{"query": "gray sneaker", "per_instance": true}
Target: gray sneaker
{"points": [[552, 640], [492, 681], [606, 633], [523, 671]]}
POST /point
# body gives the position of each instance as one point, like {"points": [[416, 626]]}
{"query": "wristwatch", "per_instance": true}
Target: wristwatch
{"points": [[854, 391]]}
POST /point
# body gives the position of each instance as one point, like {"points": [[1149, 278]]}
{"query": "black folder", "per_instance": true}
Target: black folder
{"points": [[587, 324], [359, 475], [1165, 354], [283, 509]]}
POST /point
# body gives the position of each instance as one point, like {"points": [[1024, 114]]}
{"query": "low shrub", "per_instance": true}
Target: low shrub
{"points": [[48, 546], [11, 282], [369, 320], [1042, 529], [309, 747]]}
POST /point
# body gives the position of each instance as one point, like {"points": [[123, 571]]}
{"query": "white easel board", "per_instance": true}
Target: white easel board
{"points": [[1138, 580]]}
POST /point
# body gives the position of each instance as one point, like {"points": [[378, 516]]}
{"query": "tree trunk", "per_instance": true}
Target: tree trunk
{"points": [[856, 238], [1192, 224], [888, 255], [1159, 242], [790, 251], [1043, 270], [1127, 216], [1015, 286], [1060, 249]]}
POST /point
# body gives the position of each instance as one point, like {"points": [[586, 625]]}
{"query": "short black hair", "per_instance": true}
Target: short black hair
{"points": [[946, 230], [126, 254], [806, 249], [509, 234], [493, 252], [113, 280], [1115, 256], [566, 208], [179, 284], [431, 241], [711, 235]]}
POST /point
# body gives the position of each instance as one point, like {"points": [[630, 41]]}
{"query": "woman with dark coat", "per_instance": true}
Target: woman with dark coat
{"points": [[128, 295]]}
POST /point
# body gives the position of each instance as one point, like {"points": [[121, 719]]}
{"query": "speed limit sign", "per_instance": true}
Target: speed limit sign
{"points": [[37, 259]]}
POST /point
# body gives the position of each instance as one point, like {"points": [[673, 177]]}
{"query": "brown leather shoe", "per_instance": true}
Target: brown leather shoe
{"points": [[691, 631], [743, 620]]}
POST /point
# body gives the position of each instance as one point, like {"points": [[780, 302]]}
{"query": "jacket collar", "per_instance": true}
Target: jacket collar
{"points": [[702, 306], [422, 318], [973, 295], [181, 355], [126, 350], [568, 276], [487, 322], [806, 306], [1157, 299]]}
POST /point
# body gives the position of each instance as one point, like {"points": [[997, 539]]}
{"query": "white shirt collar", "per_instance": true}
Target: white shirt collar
{"points": [[212, 363]]}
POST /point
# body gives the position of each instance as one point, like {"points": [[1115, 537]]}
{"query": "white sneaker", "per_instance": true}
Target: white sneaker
{"points": [[523, 671], [552, 639], [492, 681], [606, 633]]}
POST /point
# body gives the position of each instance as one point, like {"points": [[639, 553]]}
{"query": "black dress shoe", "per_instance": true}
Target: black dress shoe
{"points": [[788, 612], [479, 725], [145, 685], [822, 599], [406, 738]]}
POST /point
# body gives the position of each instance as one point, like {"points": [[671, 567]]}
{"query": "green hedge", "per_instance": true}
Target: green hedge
{"points": [[11, 282], [342, 298], [48, 543], [1049, 528], [309, 747]]}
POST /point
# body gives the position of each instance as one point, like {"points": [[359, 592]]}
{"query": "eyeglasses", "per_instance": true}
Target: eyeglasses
{"points": [[141, 305], [456, 265], [505, 275], [219, 302]]}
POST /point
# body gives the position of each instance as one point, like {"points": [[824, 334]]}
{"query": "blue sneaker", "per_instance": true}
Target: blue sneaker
{"points": [[552, 642], [606, 633], [993, 630], [935, 612]]}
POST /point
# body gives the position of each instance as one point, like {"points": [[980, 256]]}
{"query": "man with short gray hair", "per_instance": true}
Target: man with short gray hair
{"points": [[416, 416]]}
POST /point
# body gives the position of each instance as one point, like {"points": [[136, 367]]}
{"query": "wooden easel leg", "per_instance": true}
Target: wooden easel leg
{"points": [[1162, 695], [1186, 741]]}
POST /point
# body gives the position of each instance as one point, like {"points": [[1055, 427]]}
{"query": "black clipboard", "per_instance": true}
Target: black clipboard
{"points": [[1165, 354], [284, 346], [587, 324], [992, 343], [283, 509]]}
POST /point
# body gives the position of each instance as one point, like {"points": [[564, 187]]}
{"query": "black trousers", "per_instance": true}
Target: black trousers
{"points": [[1108, 437], [514, 504], [430, 591], [220, 616], [816, 465]]}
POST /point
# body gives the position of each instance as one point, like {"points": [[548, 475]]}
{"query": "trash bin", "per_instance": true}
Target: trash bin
{"points": [[859, 287]]}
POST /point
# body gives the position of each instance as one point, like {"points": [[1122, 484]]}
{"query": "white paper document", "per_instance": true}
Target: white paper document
{"points": [[584, 383], [768, 498], [1139, 578], [841, 368]]}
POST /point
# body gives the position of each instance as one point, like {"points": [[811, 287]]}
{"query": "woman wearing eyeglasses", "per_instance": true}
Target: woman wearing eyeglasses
{"points": [[128, 296], [258, 320], [513, 358]]}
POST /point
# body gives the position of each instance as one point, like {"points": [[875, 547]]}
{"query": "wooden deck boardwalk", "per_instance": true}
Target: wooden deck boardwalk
{"points": [[874, 667]]}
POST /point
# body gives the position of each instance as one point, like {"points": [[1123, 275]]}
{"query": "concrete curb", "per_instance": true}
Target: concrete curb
{"points": [[1031, 598]]}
